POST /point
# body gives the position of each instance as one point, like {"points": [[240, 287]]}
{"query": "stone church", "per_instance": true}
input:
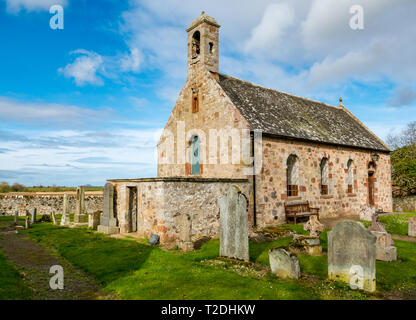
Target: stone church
{"points": [[277, 148]]}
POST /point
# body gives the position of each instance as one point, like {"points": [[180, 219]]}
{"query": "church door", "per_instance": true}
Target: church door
{"points": [[196, 163], [132, 209], [371, 188]]}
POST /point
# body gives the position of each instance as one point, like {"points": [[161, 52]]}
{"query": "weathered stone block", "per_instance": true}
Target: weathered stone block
{"points": [[367, 213], [387, 254], [234, 225], [65, 219], [94, 220], [108, 222], [108, 229], [154, 239], [352, 247], [412, 227], [284, 264], [306, 245]]}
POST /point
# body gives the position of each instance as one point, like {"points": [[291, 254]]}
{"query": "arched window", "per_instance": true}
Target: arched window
{"points": [[196, 44], [211, 48], [350, 176], [195, 101], [292, 176], [196, 162], [324, 176]]}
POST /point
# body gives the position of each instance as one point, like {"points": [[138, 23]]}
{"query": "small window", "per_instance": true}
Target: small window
{"points": [[324, 176], [195, 102], [196, 41], [350, 176], [292, 176], [211, 48]]}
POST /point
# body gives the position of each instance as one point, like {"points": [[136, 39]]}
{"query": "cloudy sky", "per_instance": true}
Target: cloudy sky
{"points": [[87, 103]]}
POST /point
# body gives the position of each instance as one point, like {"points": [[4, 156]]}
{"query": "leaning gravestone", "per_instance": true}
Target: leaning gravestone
{"points": [[80, 216], [53, 217], [65, 220], [34, 211], [352, 255], [234, 225], [108, 223], [412, 227], [284, 264], [185, 233]]}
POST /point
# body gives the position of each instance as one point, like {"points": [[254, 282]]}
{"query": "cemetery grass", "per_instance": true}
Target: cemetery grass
{"points": [[135, 270], [397, 224]]}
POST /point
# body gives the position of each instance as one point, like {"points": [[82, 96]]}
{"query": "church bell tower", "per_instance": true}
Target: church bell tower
{"points": [[203, 40]]}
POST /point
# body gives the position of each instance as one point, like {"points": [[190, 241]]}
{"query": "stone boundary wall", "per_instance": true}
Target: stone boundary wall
{"points": [[161, 203], [46, 203], [404, 203]]}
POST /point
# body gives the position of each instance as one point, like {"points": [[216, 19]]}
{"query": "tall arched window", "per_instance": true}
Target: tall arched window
{"points": [[324, 176], [292, 176], [196, 44], [196, 162], [350, 176]]}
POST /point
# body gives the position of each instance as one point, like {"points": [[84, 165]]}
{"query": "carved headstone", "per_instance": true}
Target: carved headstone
{"points": [[34, 211], [412, 227], [367, 213], [385, 249], [376, 225], [65, 220], [284, 264], [313, 226], [94, 220], [80, 216], [234, 225], [185, 233], [352, 255], [108, 223], [16, 217]]}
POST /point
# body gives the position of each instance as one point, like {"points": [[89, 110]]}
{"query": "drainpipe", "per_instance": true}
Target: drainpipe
{"points": [[254, 181]]}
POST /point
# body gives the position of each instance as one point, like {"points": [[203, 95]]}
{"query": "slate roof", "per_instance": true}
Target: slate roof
{"points": [[284, 115]]}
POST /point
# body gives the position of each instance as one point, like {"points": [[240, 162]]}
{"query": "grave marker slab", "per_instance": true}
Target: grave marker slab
{"points": [[412, 227], [234, 225], [65, 220], [108, 223], [284, 264], [80, 216], [352, 247]]}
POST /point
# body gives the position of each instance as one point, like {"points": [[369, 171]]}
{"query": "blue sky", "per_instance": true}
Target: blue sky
{"points": [[87, 103]]}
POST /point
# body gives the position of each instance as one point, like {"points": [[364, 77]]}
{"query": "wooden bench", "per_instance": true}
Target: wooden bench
{"points": [[299, 209]]}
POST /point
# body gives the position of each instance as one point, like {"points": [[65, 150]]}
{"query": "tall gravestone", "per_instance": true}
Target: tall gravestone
{"points": [[80, 216], [34, 212], [65, 220], [16, 217], [108, 223], [352, 255], [412, 227], [234, 225], [185, 233]]}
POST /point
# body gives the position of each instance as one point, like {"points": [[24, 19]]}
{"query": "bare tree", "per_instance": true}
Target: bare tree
{"points": [[406, 137]]}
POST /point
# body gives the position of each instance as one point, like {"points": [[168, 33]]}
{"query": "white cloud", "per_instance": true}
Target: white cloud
{"points": [[276, 20], [15, 6], [132, 61], [84, 69]]}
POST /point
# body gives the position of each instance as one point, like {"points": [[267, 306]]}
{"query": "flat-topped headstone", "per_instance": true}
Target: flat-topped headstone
{"points": [[412, 227], [108, 222], [234, 225], [34, 212], [80, 216], [94, 220], [284, 264], [185, 233], [352, 255], [65, 220]]}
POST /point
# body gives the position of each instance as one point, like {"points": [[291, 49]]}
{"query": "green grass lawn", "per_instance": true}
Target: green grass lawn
{"points": [[397, 224], [135, 270], [11, 285]]}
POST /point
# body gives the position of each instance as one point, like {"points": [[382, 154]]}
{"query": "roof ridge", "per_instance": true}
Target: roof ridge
{"points": [[286, 93]]}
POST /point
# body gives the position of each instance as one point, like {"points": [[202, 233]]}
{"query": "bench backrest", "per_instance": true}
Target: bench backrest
{"points": [[294, 207]]}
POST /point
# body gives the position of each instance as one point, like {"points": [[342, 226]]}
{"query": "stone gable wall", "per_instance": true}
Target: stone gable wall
{"points": [[47, 203]]}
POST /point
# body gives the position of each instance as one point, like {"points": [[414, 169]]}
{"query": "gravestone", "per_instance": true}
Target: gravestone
{"points": [[80, 216], [94, 220], [16, 217], [385, 249], [412, 227], [27, 222], [306, 245], [53, 218], [22, 211], [108, 223], [367, 213], [284, 264], [34, 211], [352, 255], [65, 220], [234, 225], [313, 226], [185, 233]]}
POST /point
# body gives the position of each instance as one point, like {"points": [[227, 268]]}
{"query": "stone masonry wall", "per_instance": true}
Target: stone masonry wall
{"points": [[161, 202], [46, 203], [271, 183], [404, 203]]}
